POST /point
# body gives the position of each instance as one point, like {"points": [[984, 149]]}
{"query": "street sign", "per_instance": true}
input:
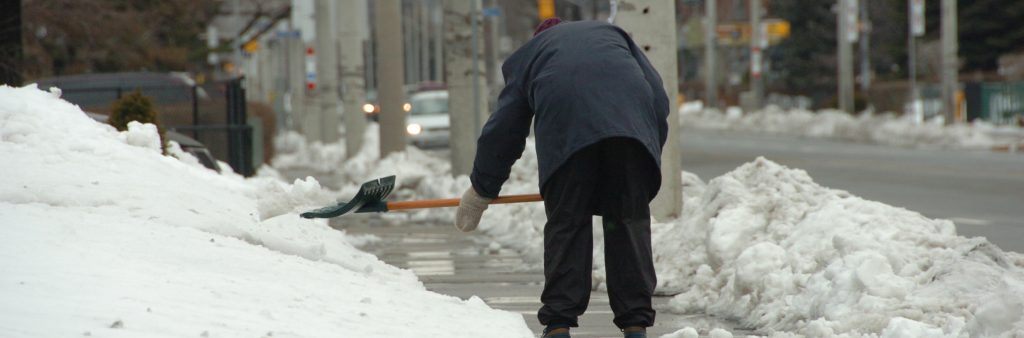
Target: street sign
{"points": [[851, 11], [755, 62], [492, 11], [917, 17]]}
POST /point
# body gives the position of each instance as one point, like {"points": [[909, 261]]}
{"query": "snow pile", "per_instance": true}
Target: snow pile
{"points": [[101, 235], [887, 128], [766, 245]]}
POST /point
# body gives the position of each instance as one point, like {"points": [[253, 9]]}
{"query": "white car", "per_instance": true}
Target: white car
{"points": [[427, 124]]}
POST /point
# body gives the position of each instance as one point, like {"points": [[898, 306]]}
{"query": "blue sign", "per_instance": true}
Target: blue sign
{"points": [[492, 11], [293, 34]]}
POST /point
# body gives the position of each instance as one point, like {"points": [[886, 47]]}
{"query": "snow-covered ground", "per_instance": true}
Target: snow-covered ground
{"points": [[767, 246], [887, 128], [101, 235]]}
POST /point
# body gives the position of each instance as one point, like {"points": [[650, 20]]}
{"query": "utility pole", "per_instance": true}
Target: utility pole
{"points": [[389, 85], [652, 24], [865, 48], [296, 78], [406, 44], [424, 34], [327, 74], [949, 61], [438, 15], [465, 87], [915, 19], [843, 39], [710, 51], [757, 45], [351, 22]]}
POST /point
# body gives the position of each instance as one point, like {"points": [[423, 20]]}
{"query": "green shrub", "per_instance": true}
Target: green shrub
{"points": [[136, 107]]}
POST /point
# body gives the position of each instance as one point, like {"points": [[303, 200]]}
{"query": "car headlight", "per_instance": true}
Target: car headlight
{"points": [[414, 129], [407, 107], [368, 108]]}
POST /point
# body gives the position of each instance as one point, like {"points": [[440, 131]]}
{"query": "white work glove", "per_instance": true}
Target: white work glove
{"points": [[471, 207]]}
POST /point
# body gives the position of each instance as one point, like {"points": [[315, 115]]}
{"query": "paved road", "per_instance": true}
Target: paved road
{"points": [[457, 264], [982, 192]]}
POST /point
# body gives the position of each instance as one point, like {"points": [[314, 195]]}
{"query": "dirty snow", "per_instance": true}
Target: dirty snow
{"points": [[885, 128], [768, 247], [101, 235]]}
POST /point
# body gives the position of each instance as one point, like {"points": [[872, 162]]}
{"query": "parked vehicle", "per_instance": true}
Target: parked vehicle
{"points": [[427, 124], [200, 110], [188, 144]]}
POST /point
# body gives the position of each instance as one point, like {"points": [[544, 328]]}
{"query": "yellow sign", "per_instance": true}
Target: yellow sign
{"points": [[738, 34], [251, 46], [546, 9]]}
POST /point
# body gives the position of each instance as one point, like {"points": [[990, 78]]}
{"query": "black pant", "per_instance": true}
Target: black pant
{"points": [[616, 178]]}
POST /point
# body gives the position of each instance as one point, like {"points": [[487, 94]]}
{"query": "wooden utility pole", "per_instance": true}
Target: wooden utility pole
{"points": [[352, 24], [652, 24], [466, 88], [390, 67]]}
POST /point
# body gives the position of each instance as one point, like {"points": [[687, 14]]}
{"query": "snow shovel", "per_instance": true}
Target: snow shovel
{"points": [[371, 198]]}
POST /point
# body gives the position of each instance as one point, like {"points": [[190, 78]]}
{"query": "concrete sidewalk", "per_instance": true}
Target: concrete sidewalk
{"points": [[453, 263]]}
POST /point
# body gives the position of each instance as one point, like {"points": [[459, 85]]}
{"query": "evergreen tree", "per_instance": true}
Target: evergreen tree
{"points": [[805, 62]]}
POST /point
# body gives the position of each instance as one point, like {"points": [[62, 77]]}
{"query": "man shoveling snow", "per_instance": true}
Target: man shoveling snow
{"points": [[600, 116]]}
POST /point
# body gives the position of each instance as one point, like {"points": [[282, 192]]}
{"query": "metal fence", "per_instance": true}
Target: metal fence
{"points": [[214, 114], [997, 102]]}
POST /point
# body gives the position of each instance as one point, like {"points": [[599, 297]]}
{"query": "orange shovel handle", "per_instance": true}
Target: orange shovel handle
{"points": [[454, 202]]}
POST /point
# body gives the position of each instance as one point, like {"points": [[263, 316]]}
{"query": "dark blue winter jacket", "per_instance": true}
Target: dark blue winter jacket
{"points": [[579, 82]]}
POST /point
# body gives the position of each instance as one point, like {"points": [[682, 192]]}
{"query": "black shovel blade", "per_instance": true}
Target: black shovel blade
{"points": [[372, 193]]}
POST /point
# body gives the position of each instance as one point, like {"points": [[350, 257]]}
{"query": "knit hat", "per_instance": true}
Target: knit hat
{"points": [[548, 23]]}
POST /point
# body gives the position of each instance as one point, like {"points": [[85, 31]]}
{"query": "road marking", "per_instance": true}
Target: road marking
{"points": [[969, 221]]}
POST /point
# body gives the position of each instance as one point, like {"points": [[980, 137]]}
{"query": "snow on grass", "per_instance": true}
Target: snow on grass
{"points": [[768, 247], [887, 128], [101, 235]]}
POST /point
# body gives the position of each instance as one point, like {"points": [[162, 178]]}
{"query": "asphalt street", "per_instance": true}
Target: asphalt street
{"points": [[462, 265], [982, 192]]}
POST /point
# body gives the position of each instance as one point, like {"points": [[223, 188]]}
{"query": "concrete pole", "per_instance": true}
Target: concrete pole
{"points": [[424, 35], [438, 16], [326, 73], [865, 48], [949, 60], [463, 76], [845, 51], [756, 55], [652, 24], [912, 60], [296, 81], [389, 85], [351, 21], [710, 51], [409, 48]]}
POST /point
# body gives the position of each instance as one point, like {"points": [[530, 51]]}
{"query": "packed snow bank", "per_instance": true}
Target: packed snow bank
{"points": [[887, 129], [101, 235], [766, 245]]}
